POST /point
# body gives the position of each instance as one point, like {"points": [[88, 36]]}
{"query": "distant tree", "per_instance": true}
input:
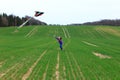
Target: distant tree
{"points": [[4, 15], [11, 20], [105, 22], [4, 21], [0, 20], [18, 21]]}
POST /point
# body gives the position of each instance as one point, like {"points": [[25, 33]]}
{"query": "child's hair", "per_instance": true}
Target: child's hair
{"points": [[60, 38]]}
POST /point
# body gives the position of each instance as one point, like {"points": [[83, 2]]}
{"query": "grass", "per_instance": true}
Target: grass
{"points": [[33, 53]]}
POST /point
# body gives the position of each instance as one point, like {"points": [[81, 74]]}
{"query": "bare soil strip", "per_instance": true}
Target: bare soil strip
{"points": [[109, 30], [101, 56], [67, 32], [57, 67], [64, 32], [36, 73], [1, 63], [79, 70], [44, 75], [69, 75], [31, 32], [70, 64], [55, 76], [27, 74], [89, 43], [64, 72], [3, 74], [13, 75]]}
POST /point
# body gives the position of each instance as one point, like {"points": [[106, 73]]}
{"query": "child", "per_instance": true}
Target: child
{"points": [[60, 42]]}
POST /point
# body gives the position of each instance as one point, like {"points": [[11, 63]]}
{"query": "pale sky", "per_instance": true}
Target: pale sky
{"points": [[64, 11]]}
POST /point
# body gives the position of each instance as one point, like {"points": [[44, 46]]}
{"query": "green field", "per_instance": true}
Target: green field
{"points": [[32, 53]]}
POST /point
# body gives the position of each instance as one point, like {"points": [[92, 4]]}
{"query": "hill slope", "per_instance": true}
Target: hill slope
{"points": [[32, 53]]}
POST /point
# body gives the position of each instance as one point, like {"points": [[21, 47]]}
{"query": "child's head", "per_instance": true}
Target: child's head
{"points": [[60, 38]]}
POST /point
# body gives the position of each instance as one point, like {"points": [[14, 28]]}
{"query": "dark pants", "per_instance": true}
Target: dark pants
{"points": [[61, 46]]}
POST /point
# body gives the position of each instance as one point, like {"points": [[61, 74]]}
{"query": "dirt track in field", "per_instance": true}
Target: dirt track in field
{"points": [[32, 32], [109, 30], [89, 43], [101, 56], [27, 74], [66, 32], [1, 63], [57, 67], [8, 70]]}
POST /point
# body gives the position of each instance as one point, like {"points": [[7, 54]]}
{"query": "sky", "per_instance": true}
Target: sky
{"points": [[63, 11]]}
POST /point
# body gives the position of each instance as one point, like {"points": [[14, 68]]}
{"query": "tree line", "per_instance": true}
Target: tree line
{"points": [[108, 22], [12, 20]]}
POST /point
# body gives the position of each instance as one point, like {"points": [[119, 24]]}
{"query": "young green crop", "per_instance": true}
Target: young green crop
{"points": [[32, 53]]}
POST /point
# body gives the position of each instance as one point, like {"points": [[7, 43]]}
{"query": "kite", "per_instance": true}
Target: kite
{"points": [[37, 13]]}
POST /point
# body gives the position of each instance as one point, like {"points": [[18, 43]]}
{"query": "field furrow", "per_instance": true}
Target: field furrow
{"points": [[64, 32], [27, 74]]}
